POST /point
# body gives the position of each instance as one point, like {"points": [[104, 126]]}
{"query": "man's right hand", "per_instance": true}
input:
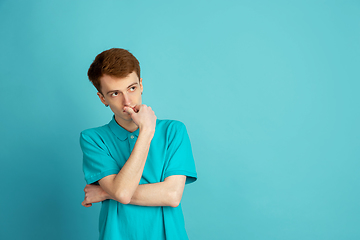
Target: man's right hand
{"points": [[144, 118]]}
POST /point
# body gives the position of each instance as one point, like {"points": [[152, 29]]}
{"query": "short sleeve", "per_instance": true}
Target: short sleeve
{"points": [[179, 153], [97, 161]]}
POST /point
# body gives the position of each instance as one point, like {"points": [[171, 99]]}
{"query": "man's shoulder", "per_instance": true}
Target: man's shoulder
{"points": [[170, 127], [96, 131], [169, 124]]}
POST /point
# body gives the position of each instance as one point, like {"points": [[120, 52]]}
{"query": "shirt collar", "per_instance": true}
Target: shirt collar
{"points": [[121, 132]]}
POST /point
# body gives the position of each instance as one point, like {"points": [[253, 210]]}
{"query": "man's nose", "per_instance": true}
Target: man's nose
{"points": [[127, 101]]}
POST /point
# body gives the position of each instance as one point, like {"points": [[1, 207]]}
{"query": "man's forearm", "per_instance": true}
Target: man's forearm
{"points": [[167, 193], [122, 186]]}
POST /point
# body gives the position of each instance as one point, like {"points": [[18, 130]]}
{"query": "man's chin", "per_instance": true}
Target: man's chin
{"points": [[124, 117], [127, 118]]}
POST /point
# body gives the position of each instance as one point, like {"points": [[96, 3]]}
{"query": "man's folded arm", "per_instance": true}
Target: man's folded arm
{"points": [[122, 186], [167, 193]]}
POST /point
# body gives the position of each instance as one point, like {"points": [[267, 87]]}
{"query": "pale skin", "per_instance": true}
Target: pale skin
{"points": [[123, 95]]}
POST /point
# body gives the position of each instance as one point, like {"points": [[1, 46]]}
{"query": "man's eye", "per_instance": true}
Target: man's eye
{"points": [[133, 88], [114, 94]]}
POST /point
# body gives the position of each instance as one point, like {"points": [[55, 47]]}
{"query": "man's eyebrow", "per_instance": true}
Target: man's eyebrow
{"points": [[118, 90], [132, 84]]}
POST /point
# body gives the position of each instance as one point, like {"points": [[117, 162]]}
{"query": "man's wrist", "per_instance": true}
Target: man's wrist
{"points": [[147, 132], [106, 195]]}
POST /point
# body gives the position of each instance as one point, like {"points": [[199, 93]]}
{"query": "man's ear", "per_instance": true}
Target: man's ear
{"points": [[102, 99], [141, 86]]}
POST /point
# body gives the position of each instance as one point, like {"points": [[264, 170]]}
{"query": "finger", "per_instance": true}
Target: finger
{"points": [[85, 204], [86, 187], [137, 108], [129, 110]]}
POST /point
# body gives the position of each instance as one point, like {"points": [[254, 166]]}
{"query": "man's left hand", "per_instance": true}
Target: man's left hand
{"points": [[93, 194]]}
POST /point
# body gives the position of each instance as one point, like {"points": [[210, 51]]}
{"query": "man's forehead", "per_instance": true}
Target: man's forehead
{"points": [[112, 83]]}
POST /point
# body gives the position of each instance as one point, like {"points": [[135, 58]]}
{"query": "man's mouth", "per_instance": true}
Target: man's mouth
{"points": [[133, 109]]}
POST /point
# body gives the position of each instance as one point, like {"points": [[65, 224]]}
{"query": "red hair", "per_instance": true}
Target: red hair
{"points": [[115, 62]]}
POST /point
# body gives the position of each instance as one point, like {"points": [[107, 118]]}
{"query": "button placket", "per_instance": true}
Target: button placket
{"points": [[132, 141]]}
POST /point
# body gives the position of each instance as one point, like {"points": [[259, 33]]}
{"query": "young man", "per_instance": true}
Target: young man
{"points": [[136, 165]]}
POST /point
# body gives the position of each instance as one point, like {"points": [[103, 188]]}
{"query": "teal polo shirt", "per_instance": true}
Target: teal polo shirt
{"points": [[105, 151]]}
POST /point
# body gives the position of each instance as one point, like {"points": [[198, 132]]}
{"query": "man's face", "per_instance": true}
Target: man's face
{"points": [[121, 92]]}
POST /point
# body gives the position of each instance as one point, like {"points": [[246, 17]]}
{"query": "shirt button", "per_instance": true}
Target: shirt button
{"points": [[132, 136]]}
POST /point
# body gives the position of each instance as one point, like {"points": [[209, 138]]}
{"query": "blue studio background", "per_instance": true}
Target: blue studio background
{"points": [[268, 90]]}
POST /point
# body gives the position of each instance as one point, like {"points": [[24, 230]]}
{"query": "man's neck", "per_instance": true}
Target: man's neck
{"points": [[127, 125]]}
